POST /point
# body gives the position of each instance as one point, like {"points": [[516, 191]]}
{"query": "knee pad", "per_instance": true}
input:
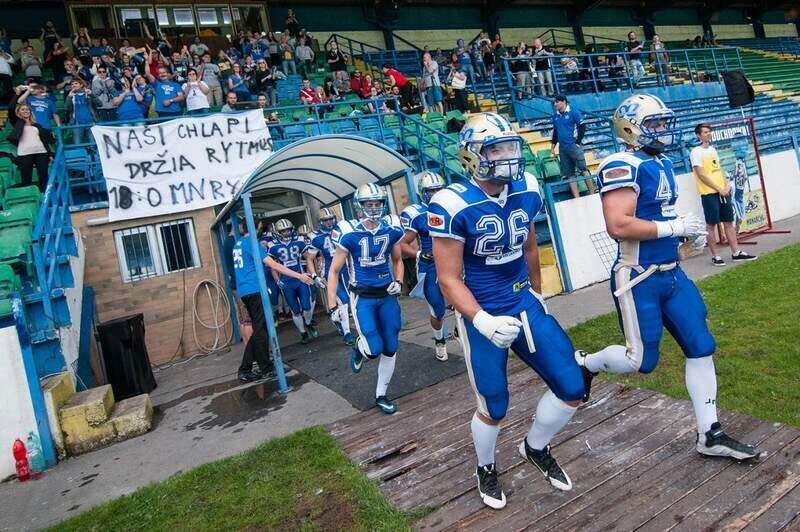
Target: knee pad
{"points": [[363, 347], [702, 346], [497, 407]]}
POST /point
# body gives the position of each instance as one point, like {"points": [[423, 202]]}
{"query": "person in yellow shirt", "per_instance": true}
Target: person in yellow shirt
{"points": [[715, 194]]}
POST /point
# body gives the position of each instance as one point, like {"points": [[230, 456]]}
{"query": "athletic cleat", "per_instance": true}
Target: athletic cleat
{"points": [[304, 338], [743, 257], [716, 443], [441, 349], [547, 465], [386, 406], [580, 358], [356, 359], [312, 330], [250, 376], [717, 261], [349, 339], [489, 487]]}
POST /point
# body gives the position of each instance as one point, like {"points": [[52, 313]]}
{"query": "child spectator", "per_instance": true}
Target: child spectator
{"points": [[80, 110]]}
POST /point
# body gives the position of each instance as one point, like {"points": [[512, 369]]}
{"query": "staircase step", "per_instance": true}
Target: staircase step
{"points": [[57, 389], [132, 417], [93, 405]]}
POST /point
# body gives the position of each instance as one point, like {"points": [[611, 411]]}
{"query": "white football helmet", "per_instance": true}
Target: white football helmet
{"points": [[428, 184], [369, 192], [327, 220], [490, 149], [644, 121], [302, 230], [284, 229]]}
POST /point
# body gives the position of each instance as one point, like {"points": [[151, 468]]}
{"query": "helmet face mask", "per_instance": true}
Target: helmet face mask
{"points": [[490, 149], [372, 210], [428, 184], [371, 202], [503, 160], [644, 122], [327, 220], [284, 230]]}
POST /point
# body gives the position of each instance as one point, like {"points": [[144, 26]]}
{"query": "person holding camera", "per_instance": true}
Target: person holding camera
{"points": [[196, 92], [132, 103], [80, 110], [104, 92]]}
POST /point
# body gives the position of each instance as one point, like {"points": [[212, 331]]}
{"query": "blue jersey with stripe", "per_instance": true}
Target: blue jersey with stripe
{"points": [[494, 231], [290, 254], [415, 218], [653, 180], [244, 268], [322, 243], [370, 250]]}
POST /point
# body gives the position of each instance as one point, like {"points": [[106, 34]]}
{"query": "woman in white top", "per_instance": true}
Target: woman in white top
{"points": [[196, 92], [33, 146]]}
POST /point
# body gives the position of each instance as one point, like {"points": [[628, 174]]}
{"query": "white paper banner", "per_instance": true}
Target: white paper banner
{"points": [[179, 165]]}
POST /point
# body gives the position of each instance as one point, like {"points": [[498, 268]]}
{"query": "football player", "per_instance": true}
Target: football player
{"points": [[304, 235], [370, 246], [487, 260], [322, 244], [415, 223], [649, 288], [290, 250]]}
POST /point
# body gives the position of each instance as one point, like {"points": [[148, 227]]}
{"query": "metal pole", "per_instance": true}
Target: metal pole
{"points": [[283, 386], [412, 190], [221, 236]]}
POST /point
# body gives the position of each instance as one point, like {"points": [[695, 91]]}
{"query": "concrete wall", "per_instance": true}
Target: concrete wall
{"points": [[70, 336], [679, 33], [16, 409], [780, 30], [160, 299], [733, 31], [438, 38]]}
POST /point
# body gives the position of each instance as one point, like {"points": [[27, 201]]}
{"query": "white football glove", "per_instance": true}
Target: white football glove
{"points": [[500, 330], [394, 288], [318, 281], [690, 226], [333, 314], [700, 242]]}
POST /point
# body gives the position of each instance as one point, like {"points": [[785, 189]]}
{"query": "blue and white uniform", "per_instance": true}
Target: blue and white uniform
{"points": [[377, 314], [322, 243], [494, 231], [415, 219], [650, 289], [290, 254]]}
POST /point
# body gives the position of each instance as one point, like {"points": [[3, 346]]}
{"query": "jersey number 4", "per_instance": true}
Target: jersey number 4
{"points": [[492, 240]]}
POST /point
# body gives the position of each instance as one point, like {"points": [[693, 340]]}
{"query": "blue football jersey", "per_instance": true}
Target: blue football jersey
{"points": [[653, 179], [494, 231], [370, 260], [322, 243], [244, 268], [289, 254], [415, 218]]}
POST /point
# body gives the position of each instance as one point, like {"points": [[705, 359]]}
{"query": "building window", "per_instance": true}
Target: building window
{"points": [[98, 19], [249, 18], [157, 249], [216, 20], [176, 20], [136, 21]]}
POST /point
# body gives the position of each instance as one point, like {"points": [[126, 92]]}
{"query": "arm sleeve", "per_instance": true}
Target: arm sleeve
{"points": [[442, 224], [554, 139]]}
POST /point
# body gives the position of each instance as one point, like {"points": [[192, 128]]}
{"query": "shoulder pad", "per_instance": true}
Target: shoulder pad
{"points": [[450, 199], [412, 211], [531, 183], [620, 159], [392, 220], [344, 227]]}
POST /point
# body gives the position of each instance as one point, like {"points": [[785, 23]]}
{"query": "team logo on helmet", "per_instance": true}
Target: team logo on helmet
{"points": [[644, 121]]}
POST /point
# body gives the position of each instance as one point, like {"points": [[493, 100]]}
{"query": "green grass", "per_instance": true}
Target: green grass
{"points": [[754, 314], [300, 482]]}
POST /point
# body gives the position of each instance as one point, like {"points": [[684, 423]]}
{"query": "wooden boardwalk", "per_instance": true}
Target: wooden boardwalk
{"points": [[630, 453]]}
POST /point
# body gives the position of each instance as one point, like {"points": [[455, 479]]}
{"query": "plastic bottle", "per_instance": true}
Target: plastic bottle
{"points": [[21, 458], [35, 455]]}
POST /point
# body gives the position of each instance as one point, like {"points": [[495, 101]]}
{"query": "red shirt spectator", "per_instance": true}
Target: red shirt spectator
{"points": [[356, 82], [398, 78], [307, 94]]}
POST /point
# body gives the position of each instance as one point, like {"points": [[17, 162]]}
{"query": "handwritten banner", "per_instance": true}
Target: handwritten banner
{"points": [[179, 165]]}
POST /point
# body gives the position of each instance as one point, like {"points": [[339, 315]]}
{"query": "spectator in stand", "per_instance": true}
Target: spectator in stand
{"points": [[634, 47], [489, 59], [261, 101], [49, 36], [155, 60], [715, 196], [407, 105], [395, 78], [41, 105], [366, 86], [336, 61], [195, 91], [273, 49], [95, 50], [248, 69], [224, 63], [264, 81], [305, 56], [544, 70], [332, 91], [55, 59], [33, 146], [104, 92], [111, 67], [292, 23], [356, 82], [497, 41], [323, 99], [698, 42], [31, 64], [477, 59], [441, 58], [80, 110], [211, 75], [131, 102], [197, 63], [5, 42], [571, 73], [70, 73], [179, 65], [433, 85], [616, 68], [162, 43], [238, 84], [107, 48], [198, 48], [307, 93], [520, 69], [660, 57], [6, 75], [465, 60], [231, 100], [378, 86], [458, 82], [81, 47], [590, 74], [168, 94], [128, 75], [287, 55], [568, 132], [342, 86]]}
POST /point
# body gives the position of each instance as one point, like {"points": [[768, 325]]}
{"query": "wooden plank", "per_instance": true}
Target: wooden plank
{"points": [[701, 497], [591, 460], [753, 492], [455, 477], [648, 490], [780, 515]]}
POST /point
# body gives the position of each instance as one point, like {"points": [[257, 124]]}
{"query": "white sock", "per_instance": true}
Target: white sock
{"points": [[385, 372], [613, 359], [313, 305], [298, 322], [307, 315], [439, 334], [344, 318], [701, 382], [363, 346], [551, 415], [484, 437]]}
